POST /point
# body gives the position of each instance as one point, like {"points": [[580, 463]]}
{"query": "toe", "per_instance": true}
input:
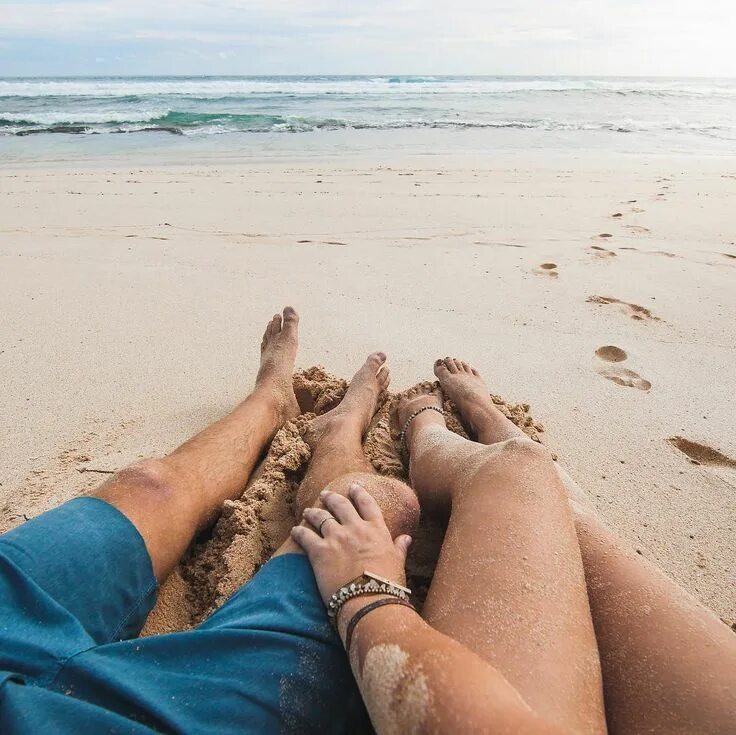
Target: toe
{"points": [[384, 378], [475, 372], [450, 365], [376, 360], [291, 319], [465, 367], [440, 370], [276, 324]]}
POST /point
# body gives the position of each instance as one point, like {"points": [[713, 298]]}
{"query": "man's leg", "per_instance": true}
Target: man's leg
{"points": [[669, 665], [170, 499], [338, 460], [509, 583]]}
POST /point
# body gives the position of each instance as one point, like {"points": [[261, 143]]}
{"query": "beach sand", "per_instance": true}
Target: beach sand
{"points": [[601, 292]]}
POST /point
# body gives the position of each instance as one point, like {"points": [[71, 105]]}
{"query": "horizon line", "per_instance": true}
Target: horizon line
{"points": [[366, 75]]}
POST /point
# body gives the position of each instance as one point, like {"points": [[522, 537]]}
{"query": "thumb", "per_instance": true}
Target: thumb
{"points": [[402, 544]]}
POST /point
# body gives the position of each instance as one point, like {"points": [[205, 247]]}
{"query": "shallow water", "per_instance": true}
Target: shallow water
{"points": [[272, 115]]}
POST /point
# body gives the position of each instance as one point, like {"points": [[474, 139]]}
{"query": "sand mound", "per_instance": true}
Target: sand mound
{"points": [[252, 528]]}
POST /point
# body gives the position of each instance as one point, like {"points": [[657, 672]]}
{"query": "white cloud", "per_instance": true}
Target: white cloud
{"points": [[473, 36]]}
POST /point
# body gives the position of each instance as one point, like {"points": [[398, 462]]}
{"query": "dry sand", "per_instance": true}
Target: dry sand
{"points": [[134, 299]]}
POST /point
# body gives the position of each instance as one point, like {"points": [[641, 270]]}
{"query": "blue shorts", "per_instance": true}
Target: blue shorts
{"points": [[76, 584]]}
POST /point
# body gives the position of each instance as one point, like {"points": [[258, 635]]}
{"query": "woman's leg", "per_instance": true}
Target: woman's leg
{"points": [[669, 665], [338, 460], [509, 583], [170, 499]]}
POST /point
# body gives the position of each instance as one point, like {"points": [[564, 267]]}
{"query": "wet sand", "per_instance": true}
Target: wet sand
{"points": [[601, 292]]}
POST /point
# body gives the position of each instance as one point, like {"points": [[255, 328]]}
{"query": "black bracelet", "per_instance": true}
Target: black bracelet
{"points": [[365, 610]]}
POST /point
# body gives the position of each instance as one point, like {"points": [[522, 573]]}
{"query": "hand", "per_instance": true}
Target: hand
{"points": [[354, 540]]}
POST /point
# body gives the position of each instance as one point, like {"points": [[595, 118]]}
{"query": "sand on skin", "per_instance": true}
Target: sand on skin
{"points": [[135, 291], [254, 526]]}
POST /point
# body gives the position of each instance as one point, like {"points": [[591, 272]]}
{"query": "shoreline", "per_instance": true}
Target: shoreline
{"points": [[358, 147]]}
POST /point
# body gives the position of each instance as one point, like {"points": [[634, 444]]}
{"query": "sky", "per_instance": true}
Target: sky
{"points": [[581, 37]]}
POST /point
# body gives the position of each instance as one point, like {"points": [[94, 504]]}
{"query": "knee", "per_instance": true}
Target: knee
{"points": [[397, 500], [152, 477], [513, 455], [523, 453], [516, 466]]}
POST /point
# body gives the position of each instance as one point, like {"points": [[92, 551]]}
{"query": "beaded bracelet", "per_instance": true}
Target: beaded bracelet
{"points": [[374, 585]]}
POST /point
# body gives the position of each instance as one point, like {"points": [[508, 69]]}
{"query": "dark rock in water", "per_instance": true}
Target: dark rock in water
{"points": [[73, 129], [172, 130]]}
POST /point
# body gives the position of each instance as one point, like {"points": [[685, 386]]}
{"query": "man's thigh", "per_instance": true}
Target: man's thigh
{"points": [[72, 578], [267, 661]]}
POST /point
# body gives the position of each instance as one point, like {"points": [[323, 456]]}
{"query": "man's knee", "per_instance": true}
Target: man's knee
{"points": [[397, 500], [151, 477]]}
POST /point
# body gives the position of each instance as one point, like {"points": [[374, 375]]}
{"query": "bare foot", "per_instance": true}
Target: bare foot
{"points": [[412, 401], [463, 385], [278, 354], [357, 408]]}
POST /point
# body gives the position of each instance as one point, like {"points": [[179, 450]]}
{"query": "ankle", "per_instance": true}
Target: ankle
{"points": [[335, 427], [490, 426], [278, 396], [419, 424], [272, 403]]}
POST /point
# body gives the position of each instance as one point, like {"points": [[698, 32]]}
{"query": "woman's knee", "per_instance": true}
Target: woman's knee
{"points": [[397, 500], [516, 465], [524, 452]]}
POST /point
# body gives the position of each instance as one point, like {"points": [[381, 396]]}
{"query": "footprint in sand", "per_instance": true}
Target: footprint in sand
{"points": [[627, 378], [699, 453], [611, 353], [547, 269], [637, 229], [619, 375], [600, 252], [634, 311]]}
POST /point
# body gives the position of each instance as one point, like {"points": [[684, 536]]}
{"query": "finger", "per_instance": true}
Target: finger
{"points": [[339, 506], [365, 503], [402, 544], [320, 519], [307, 539]]}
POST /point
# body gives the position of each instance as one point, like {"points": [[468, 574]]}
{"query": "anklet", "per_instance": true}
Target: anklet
{"points": [[402, 436]]}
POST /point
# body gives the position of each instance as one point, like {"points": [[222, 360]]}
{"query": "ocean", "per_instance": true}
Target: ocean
{"points": [[655, 115]]}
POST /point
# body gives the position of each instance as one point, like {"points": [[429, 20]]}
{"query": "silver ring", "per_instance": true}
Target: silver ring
{"points": [[329, 518]]}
